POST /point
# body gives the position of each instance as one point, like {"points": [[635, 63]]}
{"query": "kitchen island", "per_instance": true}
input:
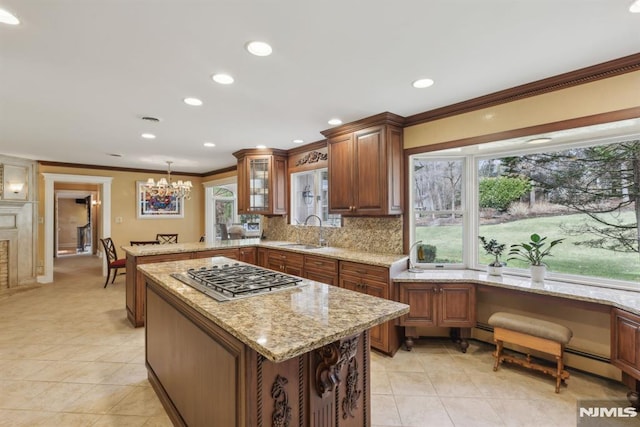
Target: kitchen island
{"points": [[298, 356]]}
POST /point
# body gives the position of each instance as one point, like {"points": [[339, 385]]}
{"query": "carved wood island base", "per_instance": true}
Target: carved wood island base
{"points": [[206, 376]]}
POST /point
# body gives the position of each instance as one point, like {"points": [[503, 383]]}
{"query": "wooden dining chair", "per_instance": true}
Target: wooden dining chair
{"points": [[166, 238], [113, 262], [144, 242]]}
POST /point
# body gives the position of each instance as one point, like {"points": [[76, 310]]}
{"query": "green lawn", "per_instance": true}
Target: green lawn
{"points": [[568, 257]]}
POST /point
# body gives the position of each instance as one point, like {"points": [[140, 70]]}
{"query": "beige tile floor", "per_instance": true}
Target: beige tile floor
{"points": [[68, 357]]}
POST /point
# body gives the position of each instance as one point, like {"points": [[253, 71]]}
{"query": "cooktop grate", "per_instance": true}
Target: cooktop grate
{"points": [[227, 282]]}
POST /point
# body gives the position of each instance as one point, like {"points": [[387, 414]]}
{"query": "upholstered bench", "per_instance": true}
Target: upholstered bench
{"points": [[536, 334]]}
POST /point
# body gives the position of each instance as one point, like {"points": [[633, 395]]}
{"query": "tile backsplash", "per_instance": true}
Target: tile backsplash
{"points": [[367, 234]]}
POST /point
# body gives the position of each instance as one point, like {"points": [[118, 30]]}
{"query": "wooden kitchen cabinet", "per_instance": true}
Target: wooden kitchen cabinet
{"points": [[625, 349], [366, 167], [262, 181], [372, 280], [321, 269], [286, 262], [451, 305], [247, 255], [134, 286], [261, 257]]}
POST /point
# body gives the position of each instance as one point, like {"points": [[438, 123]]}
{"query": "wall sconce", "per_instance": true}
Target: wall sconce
{"points": [[307, 195], [16, 187]]}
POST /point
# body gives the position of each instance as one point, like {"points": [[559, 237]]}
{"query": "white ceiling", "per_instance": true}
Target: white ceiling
{"points": [[77, 75]]}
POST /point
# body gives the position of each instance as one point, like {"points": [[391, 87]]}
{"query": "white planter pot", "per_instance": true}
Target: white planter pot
{"points": [[494, 271], [538, 272]]}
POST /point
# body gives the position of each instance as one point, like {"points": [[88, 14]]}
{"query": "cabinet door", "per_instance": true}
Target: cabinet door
{"points": [[370, 172], [457, 305], [625, 342], [262, 255], [247, 255], [279, 186], [321, 269], [421, 298], [259, 180], [379, 333], [340, 168], [287, 262]]}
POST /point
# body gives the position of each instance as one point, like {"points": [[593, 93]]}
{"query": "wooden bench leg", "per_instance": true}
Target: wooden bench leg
{"points": [[498, 354]]}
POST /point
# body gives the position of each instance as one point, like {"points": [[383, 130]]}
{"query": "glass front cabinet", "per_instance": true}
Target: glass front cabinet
{"points": [[262, 181]]}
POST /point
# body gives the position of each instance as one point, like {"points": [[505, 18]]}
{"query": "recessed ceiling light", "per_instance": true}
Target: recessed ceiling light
{"points": [[259, 48], [540, 140], [8, 18], [635, 7], [422, 83], [261, 146], [223, 79], [298, 141], [209, 144], [148, 136], [334, 122], [193, 101]]}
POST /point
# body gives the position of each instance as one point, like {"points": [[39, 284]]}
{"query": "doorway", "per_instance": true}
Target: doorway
{"points": [[103, 225], [75, 219]]}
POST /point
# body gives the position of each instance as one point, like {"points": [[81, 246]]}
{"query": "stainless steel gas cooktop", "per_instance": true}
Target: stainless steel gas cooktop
{"points": [[229, 282]]}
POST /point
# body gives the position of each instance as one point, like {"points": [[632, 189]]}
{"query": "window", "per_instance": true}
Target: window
{"points": [[310, 196], [438, 210], [221, 211], [585, 191]]}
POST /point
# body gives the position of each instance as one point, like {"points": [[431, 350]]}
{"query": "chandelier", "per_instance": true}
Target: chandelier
{"points": [[164, 187]]}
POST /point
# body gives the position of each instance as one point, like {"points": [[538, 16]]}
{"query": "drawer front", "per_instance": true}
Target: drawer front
{"points": [[287, 258], [318, 263], [372, 272]]}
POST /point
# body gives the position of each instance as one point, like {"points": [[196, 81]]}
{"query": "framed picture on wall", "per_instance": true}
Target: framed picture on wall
{"points": [[157, 205]]}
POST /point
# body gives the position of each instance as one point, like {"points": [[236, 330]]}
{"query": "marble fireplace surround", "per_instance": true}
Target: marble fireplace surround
{"points": [[9, 221]]}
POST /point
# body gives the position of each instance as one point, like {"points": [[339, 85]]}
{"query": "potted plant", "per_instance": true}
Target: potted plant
{"points": [[534, 252], [492, 247]]}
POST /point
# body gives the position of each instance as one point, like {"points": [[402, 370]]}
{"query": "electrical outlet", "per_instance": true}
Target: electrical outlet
{"points": [[118, 220]]}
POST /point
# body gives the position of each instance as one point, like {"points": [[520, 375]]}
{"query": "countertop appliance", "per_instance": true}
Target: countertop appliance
{"points": [[231, 281]]}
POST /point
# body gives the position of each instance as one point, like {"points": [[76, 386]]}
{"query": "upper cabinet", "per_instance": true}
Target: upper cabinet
{"points": [[262, 181], [366, 166]]}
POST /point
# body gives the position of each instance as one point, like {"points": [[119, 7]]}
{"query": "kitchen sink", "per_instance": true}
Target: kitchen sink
{"points": [[299, 246]]}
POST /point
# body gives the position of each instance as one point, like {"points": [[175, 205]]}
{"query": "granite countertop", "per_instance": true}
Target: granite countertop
{"points": [[623, 299], [284, 324], [383, 260], [174, 248]]}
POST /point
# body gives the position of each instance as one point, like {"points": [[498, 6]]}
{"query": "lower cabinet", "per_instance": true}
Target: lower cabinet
{"points": [[451, 305], [372, 280], [247, 255], [625, 349], [321, 269], [285, 261]]}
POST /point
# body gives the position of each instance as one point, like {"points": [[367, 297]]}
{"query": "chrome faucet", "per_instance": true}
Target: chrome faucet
{"points": [[321, 241]]}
